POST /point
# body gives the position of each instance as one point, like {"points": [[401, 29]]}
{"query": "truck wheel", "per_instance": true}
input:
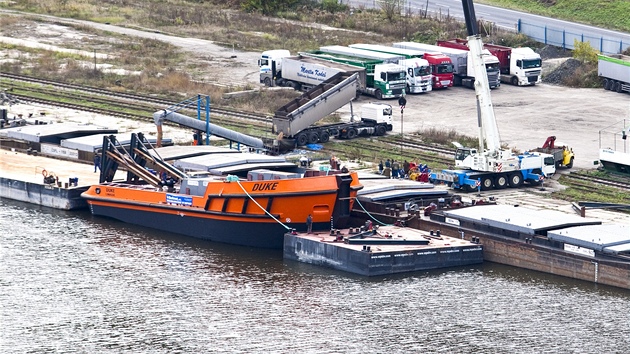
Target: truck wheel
{"points": [[515, 179], [606, 84], [618, 87], [267, 82], [570, 164], [302, 139], [407, 89], [486, 183], [468, 188], [378, 94], [380, 130], [324, 137], [352, 133], [514, 81], [501, 182], [313, 138]]}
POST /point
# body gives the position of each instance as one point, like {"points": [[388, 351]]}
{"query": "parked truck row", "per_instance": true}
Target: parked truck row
{"points": [[517, 66], [463, 75], [419, 77], [424, 67]]}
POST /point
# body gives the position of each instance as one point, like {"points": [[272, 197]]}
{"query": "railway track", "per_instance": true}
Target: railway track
{"points": [[386, 148], [229, 123], [581, 180], [147, 101], [606, 182]]}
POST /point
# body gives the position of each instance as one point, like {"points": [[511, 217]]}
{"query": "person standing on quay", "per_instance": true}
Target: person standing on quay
{"points": [[309, 224], [97, 162], [380, 167], [395, 169]]}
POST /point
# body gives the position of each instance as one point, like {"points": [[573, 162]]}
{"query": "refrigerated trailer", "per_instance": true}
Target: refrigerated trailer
{"points": [[615, 69]]}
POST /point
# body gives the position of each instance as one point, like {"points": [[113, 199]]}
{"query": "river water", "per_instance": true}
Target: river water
{"points": [[74, 283]]}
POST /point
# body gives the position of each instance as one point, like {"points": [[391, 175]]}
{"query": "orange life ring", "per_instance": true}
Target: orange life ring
{"points": [[44, 173]]}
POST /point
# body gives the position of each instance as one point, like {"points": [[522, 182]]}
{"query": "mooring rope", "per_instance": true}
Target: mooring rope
{"points": [[370, 215], [231, 178]]}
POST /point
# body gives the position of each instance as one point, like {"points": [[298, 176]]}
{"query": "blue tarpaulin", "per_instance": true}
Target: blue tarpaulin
{"points": [[314, 146]]}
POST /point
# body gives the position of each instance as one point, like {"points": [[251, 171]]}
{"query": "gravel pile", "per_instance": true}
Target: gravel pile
{"points": [[564, 70], [552, 52]]}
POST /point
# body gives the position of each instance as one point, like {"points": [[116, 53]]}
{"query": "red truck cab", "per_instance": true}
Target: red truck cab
{"points": [[441, 68]]}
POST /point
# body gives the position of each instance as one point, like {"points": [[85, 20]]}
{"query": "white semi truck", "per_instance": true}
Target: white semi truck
{"points": [[463, 75], [615, 69], [490, 166]]}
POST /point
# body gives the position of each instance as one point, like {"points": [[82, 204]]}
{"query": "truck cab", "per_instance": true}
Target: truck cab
{"points": [[376, 112], [441, 68], [492, 68], [538, 162], [525, 67], [271, 62], [419, 78], [390, 80]]}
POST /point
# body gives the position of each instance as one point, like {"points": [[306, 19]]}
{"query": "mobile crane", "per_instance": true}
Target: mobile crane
{"points": [[490, 166]]}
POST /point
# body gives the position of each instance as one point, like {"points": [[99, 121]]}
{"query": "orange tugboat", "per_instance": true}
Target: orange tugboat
{"points": [[255, 209]]}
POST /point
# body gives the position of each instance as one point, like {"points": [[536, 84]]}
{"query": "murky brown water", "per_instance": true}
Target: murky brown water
{"points": [[73, 283]]}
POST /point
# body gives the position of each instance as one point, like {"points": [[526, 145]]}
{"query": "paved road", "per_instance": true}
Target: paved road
{"points": [[502, 17]]}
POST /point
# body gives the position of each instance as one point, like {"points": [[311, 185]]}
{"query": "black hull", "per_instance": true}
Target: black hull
{"points": [[251, 233], [616, 167], [48, 195]]}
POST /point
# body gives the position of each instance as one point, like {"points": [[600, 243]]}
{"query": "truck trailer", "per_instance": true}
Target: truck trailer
{"points": [[279, 68], [297, 120], [615, 69], [462, 75], [518, 66], [419, 78], [384, 77]]}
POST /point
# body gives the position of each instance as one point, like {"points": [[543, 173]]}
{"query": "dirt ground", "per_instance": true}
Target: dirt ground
{"points": [[526, 116]]}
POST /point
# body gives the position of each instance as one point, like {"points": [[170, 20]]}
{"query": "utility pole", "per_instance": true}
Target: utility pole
{"points": [[402, 101]]}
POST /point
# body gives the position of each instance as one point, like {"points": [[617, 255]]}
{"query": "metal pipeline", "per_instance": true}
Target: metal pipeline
{"points": [[197, 124]]}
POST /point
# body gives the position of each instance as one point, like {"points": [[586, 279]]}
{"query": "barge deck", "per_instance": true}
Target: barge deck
{"points": [[382, 251]]}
